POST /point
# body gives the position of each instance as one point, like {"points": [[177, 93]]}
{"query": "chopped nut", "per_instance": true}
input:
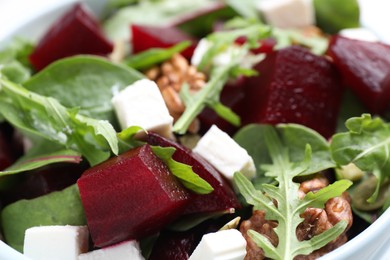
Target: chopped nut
{"points": [[170, 76], [153, 73]]}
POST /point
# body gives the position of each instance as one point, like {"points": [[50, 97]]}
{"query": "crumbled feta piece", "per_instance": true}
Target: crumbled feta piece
{"points": [[361, 34], [125, 250], [287, 13], [226, 244], [55, 242], [220, 150], [141, 104]]}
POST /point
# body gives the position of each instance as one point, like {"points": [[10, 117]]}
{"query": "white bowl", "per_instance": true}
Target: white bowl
{"points": [[372, 243]]}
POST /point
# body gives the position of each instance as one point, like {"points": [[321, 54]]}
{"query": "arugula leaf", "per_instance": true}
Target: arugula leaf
{"points": [[289, 205], [334, 15], [252, 138], [182, 171], [127, 139], [154, 56], [207, 96], [47, 118], [367, 145], [73, 80]]}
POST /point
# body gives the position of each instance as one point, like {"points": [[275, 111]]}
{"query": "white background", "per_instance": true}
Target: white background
{"points": [[375, 14]]}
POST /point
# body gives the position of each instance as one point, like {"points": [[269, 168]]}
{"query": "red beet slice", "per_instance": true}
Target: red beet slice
{"points": [[130, 196], [76, 32], [10, 146], [365, 68], [294, 86], [146, 37], [222, 198]]}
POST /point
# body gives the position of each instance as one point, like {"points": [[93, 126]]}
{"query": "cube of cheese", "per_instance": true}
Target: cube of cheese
{"points": [[122, 251], [226, 244], [221, 151], [55, 242], [287, 13], [141, 104]]}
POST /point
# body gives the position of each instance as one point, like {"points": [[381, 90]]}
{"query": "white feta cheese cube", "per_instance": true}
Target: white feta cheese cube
{"points": [[128, 250], [287, 13], [55, 242], [226, 244], [221, 151], [141, 104], [361, 34]]}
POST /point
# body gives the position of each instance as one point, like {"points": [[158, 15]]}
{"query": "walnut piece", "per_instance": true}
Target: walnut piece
{"points": [[315, 222], [170, 76]]}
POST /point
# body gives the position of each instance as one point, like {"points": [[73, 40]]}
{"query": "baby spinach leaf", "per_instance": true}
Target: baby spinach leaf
{"points": [[47, 118], [149, 12], [14, 63], [182, 171], [334, 15], [288, 206], [72, 81], [56, 208], [367, 145]]}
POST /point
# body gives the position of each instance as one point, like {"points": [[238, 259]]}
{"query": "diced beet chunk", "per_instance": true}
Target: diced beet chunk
{"points": [[221, 199], [365, 68], [294, 86], [76, 32], [146, 37], [130, 196]]}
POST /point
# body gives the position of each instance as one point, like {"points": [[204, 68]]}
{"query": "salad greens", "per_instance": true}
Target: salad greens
{"points": [[47, 118], [331, 14], [366, 144], [287, 213], [72, 81], [182, 171]]}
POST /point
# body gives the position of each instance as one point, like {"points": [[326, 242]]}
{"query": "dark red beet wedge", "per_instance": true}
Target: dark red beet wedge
{"points": [[76, 32], [222, 198], [294, 86], [365, 68], [130, 196], [146, 37], [11, 147]]}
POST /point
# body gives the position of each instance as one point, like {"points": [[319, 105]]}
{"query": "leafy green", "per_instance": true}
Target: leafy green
{"points": [[154, 56], [366, 144], [127, 138], [47, 118], [246, 8], [252, 138], [149, 12], [334, 15], [207, 96], [14, 63], [288, 206], [57, 208], [182, 171], [72, 81]]}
